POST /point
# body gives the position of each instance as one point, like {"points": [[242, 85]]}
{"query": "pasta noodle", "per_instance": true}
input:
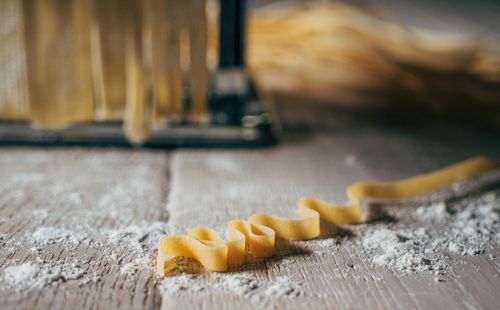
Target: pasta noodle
{"points": [[257, 235], [67, 62]]}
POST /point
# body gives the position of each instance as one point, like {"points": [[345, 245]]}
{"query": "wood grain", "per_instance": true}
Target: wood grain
{"points": [[34, 179], [210, 187]]}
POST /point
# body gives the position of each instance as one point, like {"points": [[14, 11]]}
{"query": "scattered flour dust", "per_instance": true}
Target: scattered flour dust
{"points": [[16, 275], [242, 284], [89, 216], [437, 233], [137, 241], [33, 275], [224, 163], [443, 231], [283, 287], [436, 212], [52, 235], [399, 249], [133, 267], [350, 160], [40, 214]]}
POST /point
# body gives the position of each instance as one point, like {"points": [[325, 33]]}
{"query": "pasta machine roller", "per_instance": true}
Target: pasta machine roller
{"points": [[232, 114]]}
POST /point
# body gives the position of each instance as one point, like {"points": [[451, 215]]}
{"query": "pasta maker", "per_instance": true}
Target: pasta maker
{"points": [[233, 115]]}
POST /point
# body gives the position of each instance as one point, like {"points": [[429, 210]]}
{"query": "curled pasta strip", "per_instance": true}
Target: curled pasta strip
{"points": [[257, 234], [211, 251]]}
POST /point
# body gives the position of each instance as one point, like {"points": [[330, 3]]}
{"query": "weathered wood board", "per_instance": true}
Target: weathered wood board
{"points": [[86, 191], [209, 188], [104, 193], [120, 201]]}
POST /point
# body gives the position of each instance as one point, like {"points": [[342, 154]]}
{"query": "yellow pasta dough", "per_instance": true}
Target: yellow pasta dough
{"points": [[73, 61], [257, 235]]}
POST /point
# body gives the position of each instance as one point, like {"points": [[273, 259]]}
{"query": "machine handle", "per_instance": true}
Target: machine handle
{"points": [[232, 34]]}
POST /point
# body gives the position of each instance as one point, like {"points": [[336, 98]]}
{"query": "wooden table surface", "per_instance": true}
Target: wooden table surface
{"points": [[141, 194], [104, 189]]}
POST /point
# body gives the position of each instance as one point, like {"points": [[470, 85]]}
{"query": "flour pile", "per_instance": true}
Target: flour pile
{"points": [[401, 249], [472, 228], [132, 246], [32, 275], [53, 235], [88, 226], [82, 236], [243, 284], [428, 243]]}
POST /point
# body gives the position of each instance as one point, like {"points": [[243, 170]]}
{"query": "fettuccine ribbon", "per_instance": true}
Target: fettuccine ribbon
{"points": [[257, 234]]}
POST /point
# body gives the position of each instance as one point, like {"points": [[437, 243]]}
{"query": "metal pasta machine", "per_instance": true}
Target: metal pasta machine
{"points": [[159, 73]]}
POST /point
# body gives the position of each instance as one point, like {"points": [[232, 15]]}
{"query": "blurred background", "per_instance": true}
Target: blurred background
{"points": [[415, 59], [156, 64], [376, 90]]}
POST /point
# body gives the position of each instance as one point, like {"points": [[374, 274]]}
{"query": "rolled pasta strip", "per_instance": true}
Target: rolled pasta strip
{"points": [[336, 214], [211, 251], [236, 250], [408, 188], [421, 184], [257, 235], [211, 254], [291, 229], [259, 238]]}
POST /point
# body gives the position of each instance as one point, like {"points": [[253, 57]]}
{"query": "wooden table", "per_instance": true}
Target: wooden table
{"points": [[104, 189]]}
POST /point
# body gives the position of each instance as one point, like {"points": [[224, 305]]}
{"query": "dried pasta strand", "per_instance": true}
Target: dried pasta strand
{"points": [[357, 57], [14, 102], [136, 119], [257, 235], [173, 28], [58, 61], [108, 58], [65, 61], [156, 41], [422, 184], [211, 251], [407, 188], [198, 69]]}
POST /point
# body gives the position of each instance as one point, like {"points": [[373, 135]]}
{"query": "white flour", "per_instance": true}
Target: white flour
{"points": [[402, 250], [52, 235], [437, 232], [350, 160], [470, 229], [436, 212], [17, 275], [130, 269], [27, 177], [140, 239], [222, 163], [440, 231], [136, 241], [88, 211], [106, 231], [242, 284], [40, 214], [327, 246], [284, 287], [32, 275]]}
